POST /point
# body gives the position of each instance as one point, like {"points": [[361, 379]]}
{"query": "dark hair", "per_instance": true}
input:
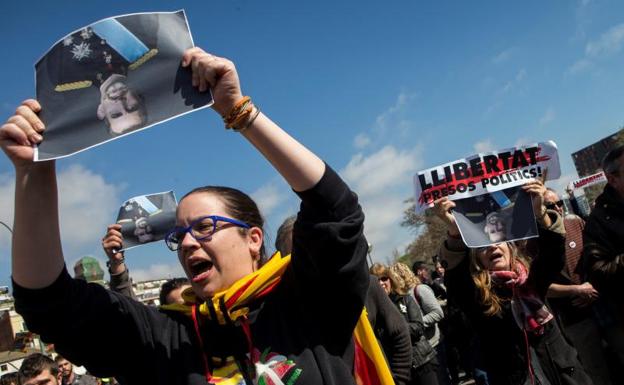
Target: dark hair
{"points": [[610, 162], [35, 364], [169, 286], [238, 205], [418, 265], [59, 358], [283, 240], [10, 379]]}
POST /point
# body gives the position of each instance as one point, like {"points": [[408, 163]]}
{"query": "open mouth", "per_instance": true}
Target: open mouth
{"points": [[199, 269]]}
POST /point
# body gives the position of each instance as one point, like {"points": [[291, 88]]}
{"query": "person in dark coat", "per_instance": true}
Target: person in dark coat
{"points": [[503, 292], [424, 363], [603, 251]]}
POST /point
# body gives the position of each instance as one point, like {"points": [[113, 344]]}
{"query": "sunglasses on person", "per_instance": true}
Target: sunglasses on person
{"points": [[383, 279], [553, 205], [201, 229]]}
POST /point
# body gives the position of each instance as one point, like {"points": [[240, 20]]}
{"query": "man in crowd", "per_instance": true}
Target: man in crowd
{"points": [[422, 272], [573, 299], [68, 376], [603, 251], [38, 369]]}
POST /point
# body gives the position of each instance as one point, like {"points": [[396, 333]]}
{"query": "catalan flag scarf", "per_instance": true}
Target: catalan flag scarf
{"points": [[232, 304]]}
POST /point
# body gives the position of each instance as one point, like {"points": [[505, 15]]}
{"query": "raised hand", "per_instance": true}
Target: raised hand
{"points": [[216, 73], [21, 133], [442, 208]]}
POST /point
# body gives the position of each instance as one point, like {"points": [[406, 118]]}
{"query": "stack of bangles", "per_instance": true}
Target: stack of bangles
{"points": [[240, 117]]}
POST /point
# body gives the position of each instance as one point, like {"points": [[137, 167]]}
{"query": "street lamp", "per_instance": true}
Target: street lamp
{"points": [[7, 227]]}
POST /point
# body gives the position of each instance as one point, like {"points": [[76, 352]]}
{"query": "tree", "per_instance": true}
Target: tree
{"points": [[430, 233]]}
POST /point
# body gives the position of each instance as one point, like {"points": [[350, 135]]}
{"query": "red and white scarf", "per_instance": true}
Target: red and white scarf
{"points": [[529, 311]]}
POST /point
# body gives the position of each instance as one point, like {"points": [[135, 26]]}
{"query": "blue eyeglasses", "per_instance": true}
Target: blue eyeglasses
{"points": [[201, 229]]}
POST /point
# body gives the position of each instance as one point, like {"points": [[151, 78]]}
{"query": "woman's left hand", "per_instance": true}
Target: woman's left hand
{"points": [[216, 73]]}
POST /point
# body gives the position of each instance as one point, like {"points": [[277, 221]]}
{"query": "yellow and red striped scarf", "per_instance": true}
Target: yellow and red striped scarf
{"points": [[370, 366]]}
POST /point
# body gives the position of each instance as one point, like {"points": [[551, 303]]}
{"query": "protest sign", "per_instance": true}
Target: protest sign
{"points": [[490, 218], [112, 78], [588, 181], [486, 172], [147, 218]]}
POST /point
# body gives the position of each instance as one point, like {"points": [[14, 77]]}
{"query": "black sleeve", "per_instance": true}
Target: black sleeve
{"points": [[122, 283], [602, 264], [460, 287], [70, 311], [329, 253], [392, 331]]}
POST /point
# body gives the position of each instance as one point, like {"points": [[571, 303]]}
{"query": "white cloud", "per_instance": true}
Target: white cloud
{"points": [[158, 271], [502, 56], [515, 82], [361, 140], [523, 142], [485, 145], [392, 118], [609, 42], [383, 180], [270, 196], [580, 66], [369, 175], [549, 116], [87, 205]]}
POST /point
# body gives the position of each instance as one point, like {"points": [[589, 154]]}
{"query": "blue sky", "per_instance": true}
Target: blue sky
{"points": [[379, 90]]}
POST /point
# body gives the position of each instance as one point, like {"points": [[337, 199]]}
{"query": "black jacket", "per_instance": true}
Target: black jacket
{"points": [[422, 351], [603, 240], [307, 320], [391, 331], [503, 343]]}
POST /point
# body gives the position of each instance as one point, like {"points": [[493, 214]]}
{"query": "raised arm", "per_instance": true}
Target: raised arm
{"points": [[298, 165], [37, 254]]}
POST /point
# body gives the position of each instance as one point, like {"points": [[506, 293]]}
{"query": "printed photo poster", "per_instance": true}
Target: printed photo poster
{"points": [[113, 78], [486, 173], [147, 218], [499, 216]]}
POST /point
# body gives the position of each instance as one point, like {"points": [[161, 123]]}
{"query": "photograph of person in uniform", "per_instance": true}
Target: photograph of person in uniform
{"points": [[495, 217], [112, 78], [146, 218]]}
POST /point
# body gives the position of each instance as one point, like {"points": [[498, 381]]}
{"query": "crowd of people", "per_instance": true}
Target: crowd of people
{"points": [[540, 311]]}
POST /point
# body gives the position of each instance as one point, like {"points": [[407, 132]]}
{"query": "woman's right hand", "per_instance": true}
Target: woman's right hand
{"points": [[21, 132], [442, 208]]}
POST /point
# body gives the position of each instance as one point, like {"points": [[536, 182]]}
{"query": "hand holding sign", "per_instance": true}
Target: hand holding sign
{"points": [[536, 189], [21, 132], [442, 208], [217, 73]]}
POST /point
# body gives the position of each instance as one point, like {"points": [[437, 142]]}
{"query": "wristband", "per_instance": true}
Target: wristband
{"points": [[115, 262]]}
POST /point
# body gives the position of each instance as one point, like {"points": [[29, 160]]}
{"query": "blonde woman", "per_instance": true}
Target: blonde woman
{"points": [[424, 362], [502, 292], [432, 314]]}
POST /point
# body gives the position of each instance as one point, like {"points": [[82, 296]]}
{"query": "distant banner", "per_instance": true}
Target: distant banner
{"points": [[486, 172], [501, 216], [113, 78], [147, 218], [588, 181]]}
